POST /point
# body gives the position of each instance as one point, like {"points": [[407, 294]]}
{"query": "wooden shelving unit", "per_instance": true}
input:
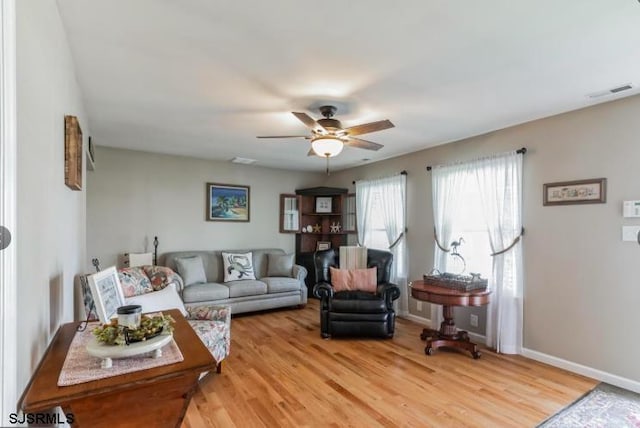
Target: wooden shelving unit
{"points": [[324, 227], [304, 214]]}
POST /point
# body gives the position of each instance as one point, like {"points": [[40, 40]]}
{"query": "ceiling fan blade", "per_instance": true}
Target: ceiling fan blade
{"points": [[307, 120], [366, 128], [311, 153], [363, 144], [282, 136]]}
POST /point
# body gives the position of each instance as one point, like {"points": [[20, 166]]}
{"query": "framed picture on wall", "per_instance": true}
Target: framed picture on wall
{"points": [[107, 293], [227, 202], [72, 153], [591, 191]]}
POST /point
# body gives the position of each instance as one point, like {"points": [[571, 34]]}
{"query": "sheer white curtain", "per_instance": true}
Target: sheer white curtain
{"points": [[500, 184], [364, 205], [447, 182], [392, 194]]}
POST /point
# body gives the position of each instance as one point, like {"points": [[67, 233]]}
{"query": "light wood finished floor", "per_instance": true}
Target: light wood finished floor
{"points": [[281, 373]]}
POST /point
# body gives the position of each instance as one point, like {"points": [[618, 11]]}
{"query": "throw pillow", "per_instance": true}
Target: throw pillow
{"points": [[134, 281], [280, 264], [238, 266], [161, 276], [162, 300], [354, 279], [191, 270]]}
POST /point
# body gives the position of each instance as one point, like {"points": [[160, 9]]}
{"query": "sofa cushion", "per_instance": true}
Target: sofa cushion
{"points": [[280, 284], [249, 287], [280, 264], [162, 300], [134, 281], [191, 270], [205, 292], [357, 302], [238, 266]]}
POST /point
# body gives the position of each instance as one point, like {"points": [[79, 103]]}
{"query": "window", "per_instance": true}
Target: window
{"points": [[470, 225], [381, 218], [377, 237], [463, 193]]}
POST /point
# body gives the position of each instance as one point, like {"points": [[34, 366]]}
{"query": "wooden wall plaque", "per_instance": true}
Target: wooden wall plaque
{"points": [[72, 153]]}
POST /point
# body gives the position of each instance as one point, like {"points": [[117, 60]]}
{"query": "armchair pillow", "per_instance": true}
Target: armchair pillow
{"points": [[191, 269], [134, 281], [280, 265], [354, 279], [238, 266], [161, 276]]}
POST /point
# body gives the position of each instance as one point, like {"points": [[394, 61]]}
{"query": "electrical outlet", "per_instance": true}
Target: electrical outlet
{"points": [[473, 320], [419, 306]]}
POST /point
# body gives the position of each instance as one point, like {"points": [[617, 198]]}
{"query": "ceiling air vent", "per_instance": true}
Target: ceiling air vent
{"points": [[611, 91], [243, 161]]}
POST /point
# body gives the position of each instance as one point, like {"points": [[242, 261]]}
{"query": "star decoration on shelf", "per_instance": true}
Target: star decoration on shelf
{"points": [[317, 228], [335, 227]]}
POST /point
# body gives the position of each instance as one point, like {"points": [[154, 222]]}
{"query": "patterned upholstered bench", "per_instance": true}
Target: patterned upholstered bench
{"points": [[157, 288]]}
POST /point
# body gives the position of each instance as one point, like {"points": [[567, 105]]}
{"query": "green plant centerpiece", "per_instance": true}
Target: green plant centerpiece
{"points": [[150, 326]]}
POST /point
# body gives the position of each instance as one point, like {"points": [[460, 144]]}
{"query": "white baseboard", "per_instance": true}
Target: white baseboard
{"points": [[616, 380], [415, 318], [600, 375]]}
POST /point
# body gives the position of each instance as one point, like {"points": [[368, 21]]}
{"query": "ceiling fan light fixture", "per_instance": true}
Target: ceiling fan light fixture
{"points": [[327, 146]]}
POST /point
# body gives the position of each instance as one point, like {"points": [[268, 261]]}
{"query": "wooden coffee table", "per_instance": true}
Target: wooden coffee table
{"points": [[448, 335], [155, 397]]}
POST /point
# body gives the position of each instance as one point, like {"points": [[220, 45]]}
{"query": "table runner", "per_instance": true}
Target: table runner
{"points": [[80, 367]]}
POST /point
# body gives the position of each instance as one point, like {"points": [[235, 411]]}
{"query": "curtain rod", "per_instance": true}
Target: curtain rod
{"points": [[522, 150], [403, 172]]}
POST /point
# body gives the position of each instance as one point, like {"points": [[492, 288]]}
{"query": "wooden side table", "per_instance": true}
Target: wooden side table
{"points": [[448, 335], [155, 397]]}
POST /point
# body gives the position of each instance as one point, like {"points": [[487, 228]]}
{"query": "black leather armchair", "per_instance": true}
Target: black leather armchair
{"points": [[352, 312]]}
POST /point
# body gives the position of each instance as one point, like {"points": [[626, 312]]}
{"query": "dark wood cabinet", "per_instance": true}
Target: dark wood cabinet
{"points": [[321, 217]]}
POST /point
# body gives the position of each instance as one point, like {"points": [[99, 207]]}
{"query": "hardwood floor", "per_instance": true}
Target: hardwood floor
{"points": [[282, 373]]}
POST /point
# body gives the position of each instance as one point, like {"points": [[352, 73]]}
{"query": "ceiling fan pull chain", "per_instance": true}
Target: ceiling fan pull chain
{"points": [[328, 173]]}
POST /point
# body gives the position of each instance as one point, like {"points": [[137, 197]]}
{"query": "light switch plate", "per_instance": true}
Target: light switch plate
{"points": [[630, 233]]}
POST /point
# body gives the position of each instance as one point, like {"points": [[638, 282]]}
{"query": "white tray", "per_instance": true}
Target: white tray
{"points": [[108, 352]]}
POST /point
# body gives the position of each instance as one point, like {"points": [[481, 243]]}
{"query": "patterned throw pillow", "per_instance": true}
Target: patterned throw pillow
{"points": [[354, 279], [238, 266], [134, 281], [161, 276]]}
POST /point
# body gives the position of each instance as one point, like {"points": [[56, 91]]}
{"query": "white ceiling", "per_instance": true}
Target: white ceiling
{"points": [[204, 77]]}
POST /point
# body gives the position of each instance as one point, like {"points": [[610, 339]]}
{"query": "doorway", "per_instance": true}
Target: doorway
{"points": [[8, 283]]}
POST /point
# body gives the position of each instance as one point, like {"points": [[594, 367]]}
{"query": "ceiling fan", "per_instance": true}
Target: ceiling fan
{"points": [[328, 137]]}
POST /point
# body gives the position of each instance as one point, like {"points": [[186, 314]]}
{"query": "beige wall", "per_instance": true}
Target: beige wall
{"points": [[581, 288], [50, 238], [134, 196]]}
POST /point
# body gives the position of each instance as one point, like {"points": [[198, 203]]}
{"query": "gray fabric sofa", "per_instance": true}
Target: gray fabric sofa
{"points": [[265, 292]]}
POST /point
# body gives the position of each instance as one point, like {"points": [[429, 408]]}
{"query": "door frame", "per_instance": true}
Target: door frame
{"points": [[8, 178]]}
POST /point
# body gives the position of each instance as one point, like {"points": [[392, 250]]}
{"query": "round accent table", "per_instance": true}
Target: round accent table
{"points": [[448, 335]]}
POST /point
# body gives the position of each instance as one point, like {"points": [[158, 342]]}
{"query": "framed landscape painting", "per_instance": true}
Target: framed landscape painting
{"points": [[227, 202]]}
